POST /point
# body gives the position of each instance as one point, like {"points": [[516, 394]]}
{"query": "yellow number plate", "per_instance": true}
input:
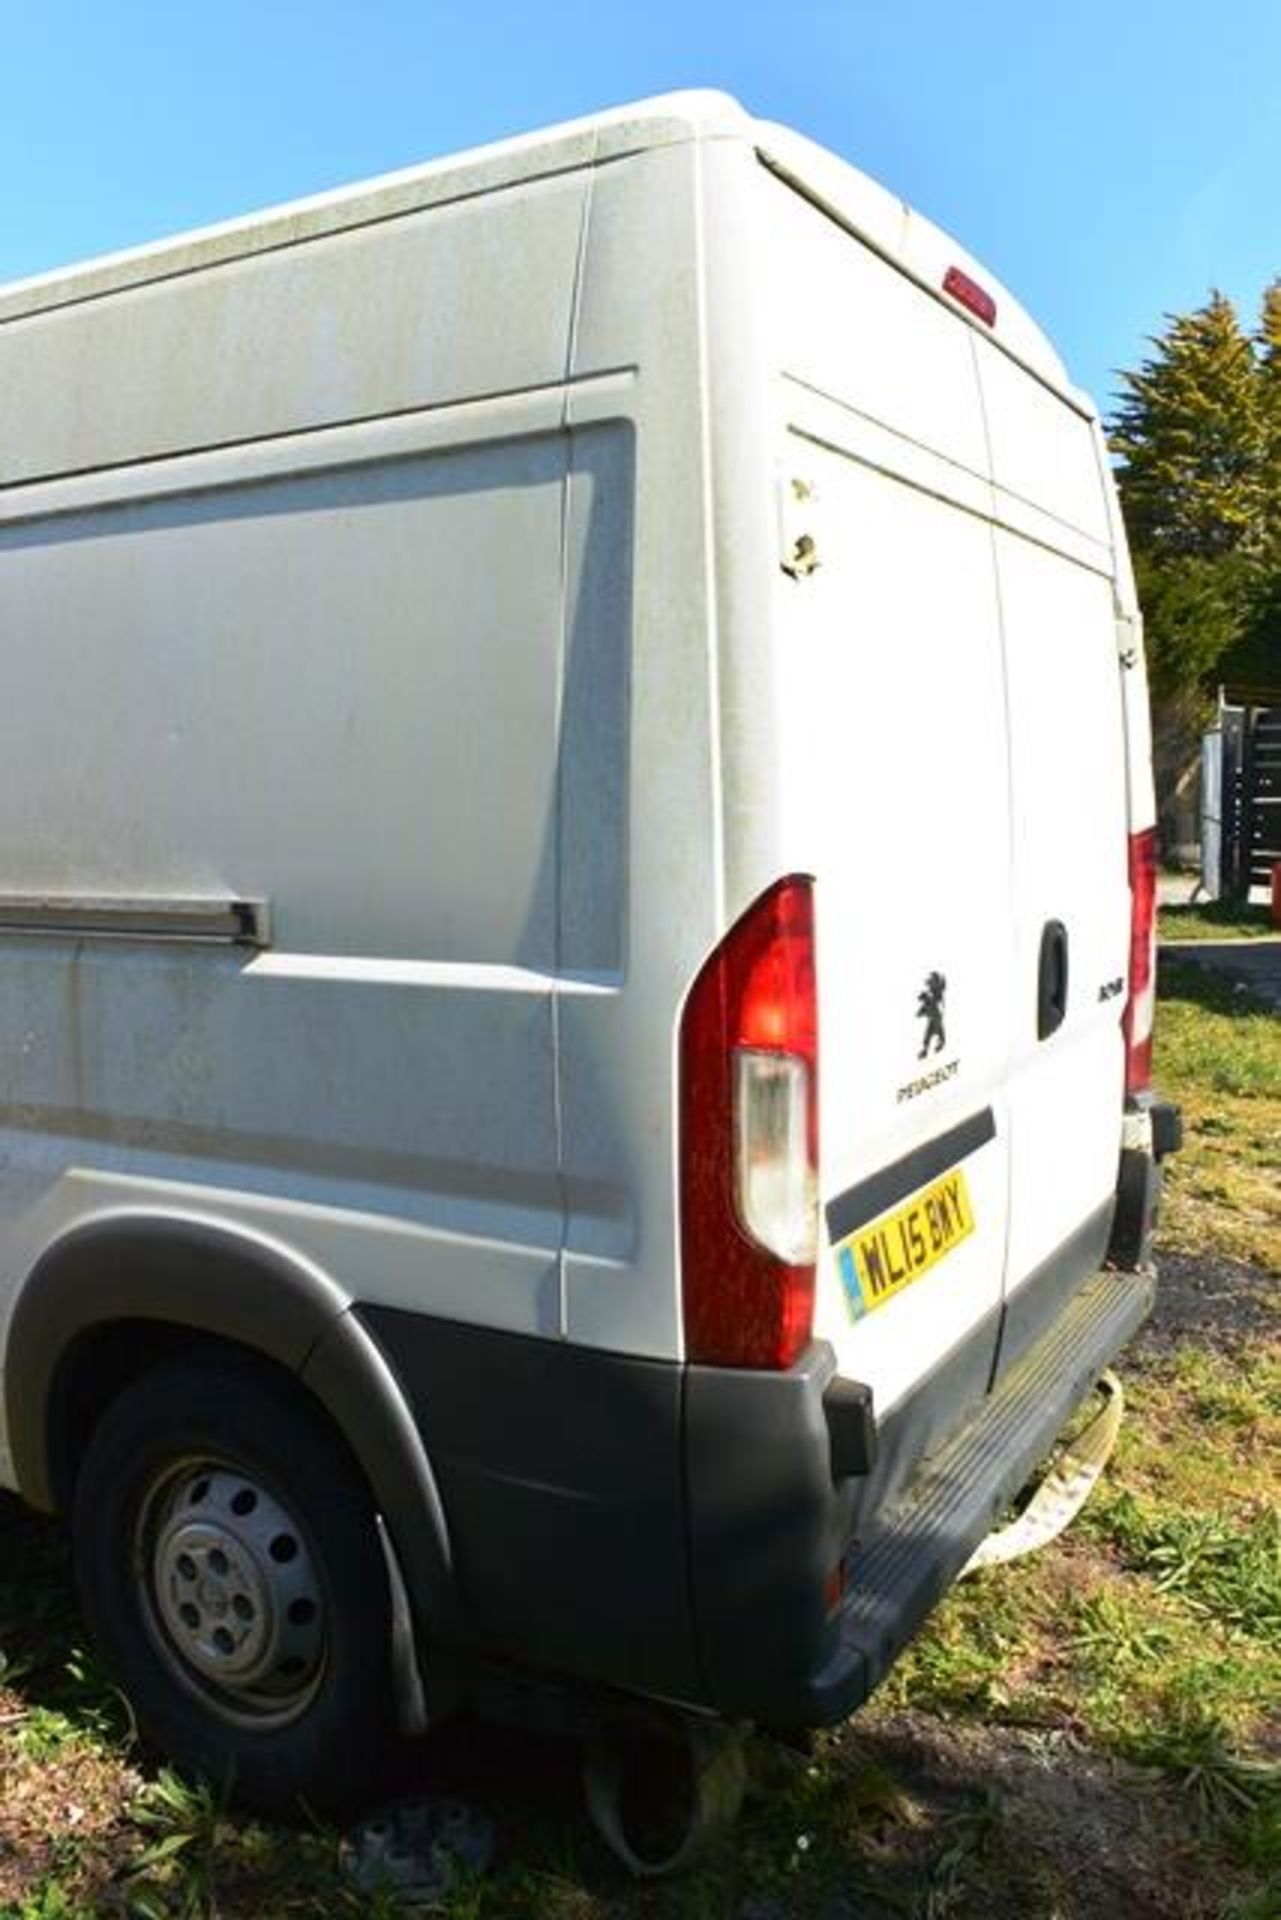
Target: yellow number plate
{"points": [[890, 1253]]}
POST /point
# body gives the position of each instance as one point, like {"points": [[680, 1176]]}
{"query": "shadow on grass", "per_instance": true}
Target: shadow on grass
{"points": [[898, 1816], [43, 1654], [861, 1827], [1209, 986], [167, 1848]]}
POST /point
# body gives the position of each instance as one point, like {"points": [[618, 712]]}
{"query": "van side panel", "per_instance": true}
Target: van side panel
{"points": [[283, 581], [257, 689]]}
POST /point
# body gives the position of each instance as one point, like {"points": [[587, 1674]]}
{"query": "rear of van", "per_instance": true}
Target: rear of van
{"points": [[578, 930], [916, 1099]]}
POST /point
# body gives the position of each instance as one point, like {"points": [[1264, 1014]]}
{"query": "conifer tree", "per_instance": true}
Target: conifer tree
{"points": [[1268, 342], [1198, 432], [1190, 436], [1255, 659]]}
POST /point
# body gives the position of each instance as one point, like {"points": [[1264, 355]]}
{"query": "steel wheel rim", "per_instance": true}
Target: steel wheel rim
{"points": [[232, 1591]]}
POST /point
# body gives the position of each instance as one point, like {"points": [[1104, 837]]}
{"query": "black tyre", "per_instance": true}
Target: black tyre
{"points": [[229, 1565]]}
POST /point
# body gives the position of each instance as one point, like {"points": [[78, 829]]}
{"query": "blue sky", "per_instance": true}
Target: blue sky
{"points": [[1109, 159]]}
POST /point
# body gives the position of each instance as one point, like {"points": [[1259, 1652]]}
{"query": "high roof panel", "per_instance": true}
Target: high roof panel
{"points": [[868, 209], [663, 121], [908, 239]]}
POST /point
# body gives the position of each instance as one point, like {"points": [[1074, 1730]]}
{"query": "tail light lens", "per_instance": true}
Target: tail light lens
{"points": [[1140, 1006], [971, 295], [749, 1138]]}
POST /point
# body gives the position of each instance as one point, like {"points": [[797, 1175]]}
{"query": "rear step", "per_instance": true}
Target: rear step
{"points": [[894, 1580]]}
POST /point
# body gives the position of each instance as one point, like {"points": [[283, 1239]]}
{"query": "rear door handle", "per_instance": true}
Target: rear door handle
{"points": [[1052, 979]]}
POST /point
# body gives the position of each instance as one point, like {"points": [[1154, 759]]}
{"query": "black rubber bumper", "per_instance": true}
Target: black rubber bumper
{"points": [[560, 1472], [1167, 1129], [770, 1525], [769, 1515], [659, 1528], [898, 1575], [722, 1537], [1138, 1188]]}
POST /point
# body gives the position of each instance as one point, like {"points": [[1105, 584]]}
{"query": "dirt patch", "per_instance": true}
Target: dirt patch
{"points": [[1109, 1841], [1206, 1299], [62, 1814]]}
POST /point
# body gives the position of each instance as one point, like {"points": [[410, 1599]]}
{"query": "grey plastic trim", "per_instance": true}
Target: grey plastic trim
{"points": [[167, 1270], [1138, 1203], [561, 1472], [1167, 1129], [94, 917], [770, 1520], [767, 1527], [350, 1374], [851, 1425]]}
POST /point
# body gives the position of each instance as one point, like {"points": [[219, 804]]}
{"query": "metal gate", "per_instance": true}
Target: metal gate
{"points": [[1250, 805]]}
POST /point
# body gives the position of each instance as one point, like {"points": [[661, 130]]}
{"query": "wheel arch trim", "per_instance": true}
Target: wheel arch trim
{"points": [[185, 1273]]}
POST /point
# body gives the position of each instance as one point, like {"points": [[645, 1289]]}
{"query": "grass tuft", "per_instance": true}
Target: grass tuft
{"points": [[1193, 1746], [1228, 1568]]}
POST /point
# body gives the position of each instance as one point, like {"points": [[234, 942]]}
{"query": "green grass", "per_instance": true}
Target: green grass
{"points": [[1152, 1632], [1215, 920], [1213, 1038], [1085, 1735], [1219, 1054]]}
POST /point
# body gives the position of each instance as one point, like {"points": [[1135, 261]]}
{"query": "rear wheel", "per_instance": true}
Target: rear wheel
{"points": [[229, 1564]]}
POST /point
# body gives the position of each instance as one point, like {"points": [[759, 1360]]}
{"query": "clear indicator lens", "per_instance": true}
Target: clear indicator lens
{"points": [[776, 1186]]}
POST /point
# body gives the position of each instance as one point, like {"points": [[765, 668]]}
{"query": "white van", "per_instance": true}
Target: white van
{"points": [[576, 896]]}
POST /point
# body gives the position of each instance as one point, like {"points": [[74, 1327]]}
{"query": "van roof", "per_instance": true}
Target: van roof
{"points": [[858, 202]]}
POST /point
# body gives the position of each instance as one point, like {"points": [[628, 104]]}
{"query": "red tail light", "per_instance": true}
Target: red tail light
{"points": [[749, 1138], [976, 299], [1141, 1003]]}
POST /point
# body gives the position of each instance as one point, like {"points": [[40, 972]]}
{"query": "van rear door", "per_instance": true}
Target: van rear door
{"points": [[893, 721], [907, 783], [1070, 907]]}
